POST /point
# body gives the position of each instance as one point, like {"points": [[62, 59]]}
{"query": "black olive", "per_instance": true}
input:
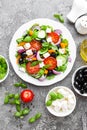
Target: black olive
{"points": [[79, 72], [85, 71], [85, 85], [77, 79], [43, 40], [80, 76], [82, 91], [34, 52], [85, 77], [50, 72], [79, 87], [21, 61], [58, 46], [23, 55], [76, 84], [53, 55]]}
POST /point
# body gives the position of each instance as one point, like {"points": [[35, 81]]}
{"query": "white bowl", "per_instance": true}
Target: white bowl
{"points": [[61, 114], [73, 80], [7, 69]]}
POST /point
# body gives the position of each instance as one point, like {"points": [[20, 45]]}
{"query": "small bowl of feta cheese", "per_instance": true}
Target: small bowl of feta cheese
{"points": [[60, 101]]}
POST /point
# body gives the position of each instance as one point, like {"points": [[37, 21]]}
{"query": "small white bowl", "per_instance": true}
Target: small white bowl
{"points": [[7, 69], [85, 95], [61, 114]]}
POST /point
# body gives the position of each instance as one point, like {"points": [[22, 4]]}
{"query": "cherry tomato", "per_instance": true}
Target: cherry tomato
{"points": [[35, 45], [32, 69], [27, 95], [55, 37], [51, 61]]}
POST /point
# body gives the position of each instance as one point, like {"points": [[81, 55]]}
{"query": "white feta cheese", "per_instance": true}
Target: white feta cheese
{"points": [[57, 105], [64, 106], [27, 46], [46, 55], [62, 51], [48, 30], [29, 52], [49, 39], [19, 48], [41, 34], [22, 69], [59, 62], [41, 64]]}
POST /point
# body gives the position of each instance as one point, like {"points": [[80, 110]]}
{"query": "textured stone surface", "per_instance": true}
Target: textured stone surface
{"points": [[12, 15]]}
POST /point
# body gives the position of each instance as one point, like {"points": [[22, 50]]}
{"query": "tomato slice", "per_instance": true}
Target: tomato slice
{"points": [[51, 61], [32, 69], [35, 45], [27, 95], [55, 37]]}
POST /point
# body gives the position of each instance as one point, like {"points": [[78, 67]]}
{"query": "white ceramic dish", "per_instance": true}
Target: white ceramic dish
{"points": [[61, 114], [73, 81], [19, 33], [7, 69]]}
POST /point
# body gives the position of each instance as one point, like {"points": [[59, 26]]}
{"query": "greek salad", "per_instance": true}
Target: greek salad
{"points": [[42, 52]]}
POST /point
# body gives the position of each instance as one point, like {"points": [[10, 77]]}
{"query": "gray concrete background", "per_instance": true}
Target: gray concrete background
{"points": [[12, 15]]}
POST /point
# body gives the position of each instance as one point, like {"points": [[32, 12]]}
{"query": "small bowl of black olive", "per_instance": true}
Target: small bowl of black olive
{"points": [[79, 80]]}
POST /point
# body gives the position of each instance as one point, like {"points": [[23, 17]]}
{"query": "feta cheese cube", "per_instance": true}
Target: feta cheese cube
{"points": [[48, 30], [64, 106], [22, 69], [46, 55], [27, 46], [59, 62], [29, 52], [49, 39], [19, 48], [62, 51], [41, 64]]}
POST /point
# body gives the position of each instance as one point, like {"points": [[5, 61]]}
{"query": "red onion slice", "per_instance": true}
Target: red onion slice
{"points": [[38, 57], [69, 59], [56, 72], [42, 78], [58, 31], [21, 51]]}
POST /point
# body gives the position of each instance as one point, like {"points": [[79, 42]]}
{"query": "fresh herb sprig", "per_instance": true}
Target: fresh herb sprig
{"points": [[59, 17]]}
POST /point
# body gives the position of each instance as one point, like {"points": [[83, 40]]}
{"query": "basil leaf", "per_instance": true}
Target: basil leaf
{"points": [[59, 96], [59, 17], [48, 103], [34, 63], [53, 95]]}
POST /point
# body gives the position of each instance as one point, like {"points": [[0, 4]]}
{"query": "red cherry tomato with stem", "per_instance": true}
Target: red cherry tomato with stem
{"points": [[27, 95]]}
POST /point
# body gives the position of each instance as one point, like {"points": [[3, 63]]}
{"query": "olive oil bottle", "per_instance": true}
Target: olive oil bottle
{"points": [[83, 50]]}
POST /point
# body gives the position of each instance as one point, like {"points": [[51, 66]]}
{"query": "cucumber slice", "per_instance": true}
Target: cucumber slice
{"points": [[41, 34], [62, 58]]}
